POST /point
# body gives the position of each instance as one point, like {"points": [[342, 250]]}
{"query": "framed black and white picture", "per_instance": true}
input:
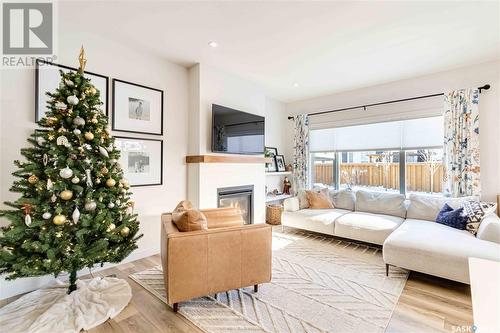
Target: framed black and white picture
{"points": [[137, 108], [280, 163], [271, 152], [141, 160], [47, 79]]}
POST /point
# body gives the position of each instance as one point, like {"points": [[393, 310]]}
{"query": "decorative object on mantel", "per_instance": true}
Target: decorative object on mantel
{"points": [[137, 108], [289, 167], [286, 186], [51, 231]]}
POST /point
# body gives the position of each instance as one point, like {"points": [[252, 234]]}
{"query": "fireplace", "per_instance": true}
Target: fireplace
{"points": [[239, 197]]}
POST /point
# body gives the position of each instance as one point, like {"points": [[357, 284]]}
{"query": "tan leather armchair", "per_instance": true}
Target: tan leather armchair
{"points": [[227, 256]]}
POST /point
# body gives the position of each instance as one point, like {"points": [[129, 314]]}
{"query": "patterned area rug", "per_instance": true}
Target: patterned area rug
{"points": [[319, 284]]}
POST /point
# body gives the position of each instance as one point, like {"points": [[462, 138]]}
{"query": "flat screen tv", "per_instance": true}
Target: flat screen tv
{"points": [[236, 132]]}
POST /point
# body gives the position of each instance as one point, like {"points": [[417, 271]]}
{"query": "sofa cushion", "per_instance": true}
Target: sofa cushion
{"points": [[304, 201], [318, 220], [489, 229], [319, 200], [186, 218], [367, 227], [343, 199], [426, 207], [436, 249], [476, 211], [381, 203], [454, 218]]}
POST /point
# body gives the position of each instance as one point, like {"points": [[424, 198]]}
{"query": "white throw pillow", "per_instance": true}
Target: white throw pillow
{"points": [[381, 203], [426, 207], [343, 199]]}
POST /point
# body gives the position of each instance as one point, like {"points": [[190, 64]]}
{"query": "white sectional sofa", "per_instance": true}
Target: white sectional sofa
{"points": [[406, 229]]}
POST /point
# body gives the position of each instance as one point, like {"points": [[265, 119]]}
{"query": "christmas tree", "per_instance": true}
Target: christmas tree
{"points": [[75, 209]]}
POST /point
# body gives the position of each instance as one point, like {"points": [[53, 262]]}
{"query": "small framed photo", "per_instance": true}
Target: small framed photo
{"points": [[141, 160], [137, 108], [271, 152], [47, 79], [280, 163]]}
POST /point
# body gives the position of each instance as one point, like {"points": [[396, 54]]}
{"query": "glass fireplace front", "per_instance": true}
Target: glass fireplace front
{"points": [[240, 197]]}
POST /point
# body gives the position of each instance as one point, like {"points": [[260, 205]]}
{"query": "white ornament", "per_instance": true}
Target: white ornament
{"points": [[27, 220], [103, 151], [69, 83], [66, 173], [76, 131], [76, 215], [46, 215], [112, 161], [118, 202], [110, 148], [50, 185], [40, 141], [90, 206], [62, 141], [75, 180], [61, 106], [108, 129], [111, 205], [53, 198], [88, 178], [45, 159], [79, 121], [73, 100]]}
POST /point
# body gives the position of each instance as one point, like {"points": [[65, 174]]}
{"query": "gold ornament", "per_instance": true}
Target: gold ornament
{"points": [[125, 231], [93, 120], [92, 90], [89, 136], [104, 170], [51, 121], [111, 227], [32, 179], [59, 219], [110, 182], [50, 137], [66, 195]]}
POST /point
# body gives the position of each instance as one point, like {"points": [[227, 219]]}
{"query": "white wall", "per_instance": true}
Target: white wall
{"points": [[209, 86], [472, 76], [116, 61]]}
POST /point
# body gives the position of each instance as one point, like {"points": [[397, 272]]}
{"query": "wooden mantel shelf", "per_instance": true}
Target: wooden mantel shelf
{"points": [[226, 159]]}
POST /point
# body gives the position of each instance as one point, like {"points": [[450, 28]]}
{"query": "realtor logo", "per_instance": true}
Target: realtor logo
{"points": [[27, 28]]}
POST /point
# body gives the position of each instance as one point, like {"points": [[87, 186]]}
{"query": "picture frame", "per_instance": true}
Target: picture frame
{"points": [[271, 152], [137, 108], [141, 160], [280, 163], [47, 79]]}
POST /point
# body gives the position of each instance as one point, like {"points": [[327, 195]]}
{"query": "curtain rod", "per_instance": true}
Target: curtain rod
{"points": [[485, 87]]}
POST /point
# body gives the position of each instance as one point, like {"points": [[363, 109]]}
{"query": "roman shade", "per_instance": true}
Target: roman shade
{"points": [[401, 134]]}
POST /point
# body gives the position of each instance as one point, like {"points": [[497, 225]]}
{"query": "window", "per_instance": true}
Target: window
{"points": [[402, 156], [376, 170], [323, 169], [424, 171]]}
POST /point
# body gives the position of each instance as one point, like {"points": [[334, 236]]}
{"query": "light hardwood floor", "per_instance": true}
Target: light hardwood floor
{"points": [[427, 304]]}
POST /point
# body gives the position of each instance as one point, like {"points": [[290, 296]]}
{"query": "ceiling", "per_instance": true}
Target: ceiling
{"points": [[323, 47]]}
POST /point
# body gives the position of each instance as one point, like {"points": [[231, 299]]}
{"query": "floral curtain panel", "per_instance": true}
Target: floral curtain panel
{"points": [[461, 143], [301, 152]]}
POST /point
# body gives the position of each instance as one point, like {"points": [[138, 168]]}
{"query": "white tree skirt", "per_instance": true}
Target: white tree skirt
{"points": [[52, 310]]}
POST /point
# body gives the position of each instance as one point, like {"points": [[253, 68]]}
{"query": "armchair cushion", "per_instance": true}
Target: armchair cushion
{"points": [[223, 217], [186, 218]]}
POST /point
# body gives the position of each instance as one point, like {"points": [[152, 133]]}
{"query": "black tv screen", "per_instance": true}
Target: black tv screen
{"points": [[236, 132]]}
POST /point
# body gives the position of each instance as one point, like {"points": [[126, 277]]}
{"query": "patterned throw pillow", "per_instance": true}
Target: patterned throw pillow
{"points": [[450, 217], [475, 212]]}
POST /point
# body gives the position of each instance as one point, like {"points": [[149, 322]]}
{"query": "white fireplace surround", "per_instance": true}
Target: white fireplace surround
{"points": [[205, 178]]}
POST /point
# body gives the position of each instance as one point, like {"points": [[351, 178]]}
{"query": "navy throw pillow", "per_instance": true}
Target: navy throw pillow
{"points": [[454, 218]]}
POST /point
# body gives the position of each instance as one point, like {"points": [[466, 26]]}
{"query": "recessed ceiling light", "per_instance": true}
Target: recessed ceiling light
{"points": [[295, 84], [213, 44]]}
